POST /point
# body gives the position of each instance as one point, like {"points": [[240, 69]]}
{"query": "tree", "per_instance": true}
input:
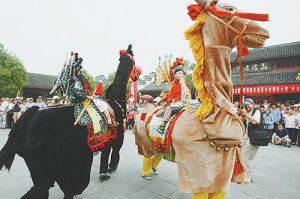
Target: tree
{"points": [[109, 81], [13, 76], [90, 80]]}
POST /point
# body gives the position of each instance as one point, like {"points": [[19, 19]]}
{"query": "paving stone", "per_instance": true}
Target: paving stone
{"points": [[275, 169]]}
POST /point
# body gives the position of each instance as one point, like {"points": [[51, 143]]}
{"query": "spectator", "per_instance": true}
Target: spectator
{"points": [[130, 119], [297, 130], [262, 109], [48, 102], [282, 109], [16, 109], [55, 101], [40, 103], [266, 104], [268, 121], [30, 103], [281, 136], [3, 112], [276, 115], [252, 118], [296, 109], [9, 115], [290, 124], [23, 106]]}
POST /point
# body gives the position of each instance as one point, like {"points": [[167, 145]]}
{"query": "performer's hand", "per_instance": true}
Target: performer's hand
{"points": [[90, 97], [243, 113]]}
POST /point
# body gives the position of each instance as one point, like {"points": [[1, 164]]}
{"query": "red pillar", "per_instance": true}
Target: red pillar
{"points": [[133, 90]]}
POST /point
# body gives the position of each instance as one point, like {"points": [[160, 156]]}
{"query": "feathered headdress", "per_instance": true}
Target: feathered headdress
{"points": [[66, 75], [178, 65]]}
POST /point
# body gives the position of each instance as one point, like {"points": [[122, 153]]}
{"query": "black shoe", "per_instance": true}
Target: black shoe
{"points": [[68, 197], [112, 169], [103, 177], [35, 193], [147, 177], [155, 171]]}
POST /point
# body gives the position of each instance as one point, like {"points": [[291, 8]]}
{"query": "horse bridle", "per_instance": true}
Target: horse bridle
{"points": [[240, 45], [134, 68]]}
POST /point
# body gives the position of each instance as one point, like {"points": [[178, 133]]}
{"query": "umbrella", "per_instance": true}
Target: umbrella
{"points": [[157, 99], [147, 98]]}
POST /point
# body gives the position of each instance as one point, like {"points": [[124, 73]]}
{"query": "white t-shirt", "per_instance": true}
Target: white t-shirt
{"points": [[10, 106], [4, 106], [256, 117], [290, 121]]}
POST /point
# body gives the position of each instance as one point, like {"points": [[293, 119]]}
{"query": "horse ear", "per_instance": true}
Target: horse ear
{"points": [[129, 50], [205, 4], [215, 2], [201, 3]]}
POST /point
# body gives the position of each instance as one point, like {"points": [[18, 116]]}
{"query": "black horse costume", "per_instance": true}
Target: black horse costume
{"points": [[54, 149]]}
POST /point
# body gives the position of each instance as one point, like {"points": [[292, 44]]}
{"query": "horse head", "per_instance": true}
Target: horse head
{"points": [[225, 25], [126, 69]]}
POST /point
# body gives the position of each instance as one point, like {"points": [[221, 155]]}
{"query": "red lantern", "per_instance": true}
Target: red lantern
{"points": [[138, 72]]}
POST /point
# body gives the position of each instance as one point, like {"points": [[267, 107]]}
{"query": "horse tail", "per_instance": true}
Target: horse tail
{"points": [[15, 138]]}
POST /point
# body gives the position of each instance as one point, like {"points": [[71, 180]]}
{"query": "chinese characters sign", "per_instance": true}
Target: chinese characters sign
{"points": [[253, 67], [273, 89]]}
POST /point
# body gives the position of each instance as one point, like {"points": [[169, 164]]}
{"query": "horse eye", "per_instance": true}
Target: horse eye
{"points": [[229, 9]]}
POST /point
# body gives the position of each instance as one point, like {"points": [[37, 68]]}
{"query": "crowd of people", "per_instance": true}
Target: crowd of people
{"points": [[12, 108], [282, 121]]}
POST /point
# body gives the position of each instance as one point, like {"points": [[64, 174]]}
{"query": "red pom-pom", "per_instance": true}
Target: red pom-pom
{"points": [[72, 53], [122, 52]]}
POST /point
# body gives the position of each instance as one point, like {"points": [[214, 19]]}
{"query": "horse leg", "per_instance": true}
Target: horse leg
{"points": [[42, 181], [116, 147]]}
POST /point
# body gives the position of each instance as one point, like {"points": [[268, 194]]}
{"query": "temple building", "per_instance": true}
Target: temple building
{"points": [[271, 73]]}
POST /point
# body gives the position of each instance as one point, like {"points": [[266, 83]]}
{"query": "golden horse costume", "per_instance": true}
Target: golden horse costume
{"points": [[207, 141]]}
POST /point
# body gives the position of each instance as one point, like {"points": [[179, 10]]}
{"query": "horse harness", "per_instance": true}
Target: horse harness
{"points": [[240, 45]]}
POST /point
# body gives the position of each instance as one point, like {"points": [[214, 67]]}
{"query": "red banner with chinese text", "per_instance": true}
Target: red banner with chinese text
{"points": [[271, 89]]}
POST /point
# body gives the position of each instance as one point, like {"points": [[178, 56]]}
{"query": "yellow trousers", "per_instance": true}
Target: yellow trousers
{"points": [[219, 195], [150, 163]]}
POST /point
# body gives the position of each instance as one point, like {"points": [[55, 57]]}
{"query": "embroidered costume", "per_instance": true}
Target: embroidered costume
{"points": [[179, 92]]}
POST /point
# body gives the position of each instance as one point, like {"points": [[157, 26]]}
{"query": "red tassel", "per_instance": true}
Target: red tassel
{"points": [[238, 169], [244, 52]]}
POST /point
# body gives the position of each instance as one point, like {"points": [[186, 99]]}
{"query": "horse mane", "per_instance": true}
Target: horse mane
{"points": [[195, 38], [117, 90]]}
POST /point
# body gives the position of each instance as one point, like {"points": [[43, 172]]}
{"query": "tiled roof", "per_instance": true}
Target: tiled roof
{"points": [[270, 78], [251, 79], [41, 81], [152, 87], [269, 52]]}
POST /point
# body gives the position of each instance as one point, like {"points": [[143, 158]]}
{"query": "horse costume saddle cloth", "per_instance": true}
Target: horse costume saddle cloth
{"points": [[161, 141]]}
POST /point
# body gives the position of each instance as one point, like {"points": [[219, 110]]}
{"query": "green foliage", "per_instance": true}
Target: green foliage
{"points": [[90, 80], [109, 81], [13, 76]]}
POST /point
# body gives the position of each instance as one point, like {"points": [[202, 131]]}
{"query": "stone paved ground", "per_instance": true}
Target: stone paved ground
{"points": [[276, 176]]}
